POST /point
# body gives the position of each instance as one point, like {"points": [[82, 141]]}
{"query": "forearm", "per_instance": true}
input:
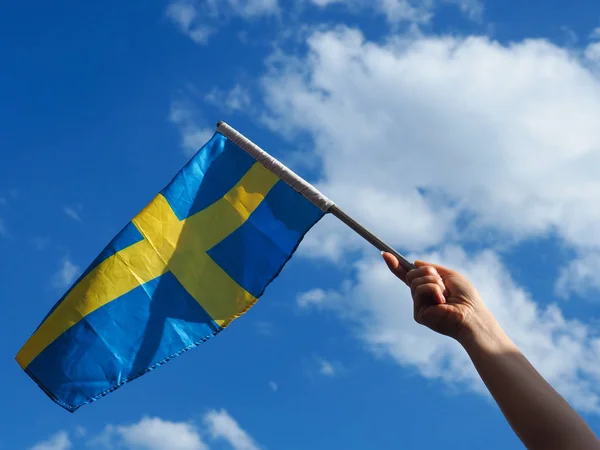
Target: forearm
{"points": [[537, 413]]}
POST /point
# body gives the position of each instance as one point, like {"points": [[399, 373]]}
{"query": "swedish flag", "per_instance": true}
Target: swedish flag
{"points": [[198, 256]]}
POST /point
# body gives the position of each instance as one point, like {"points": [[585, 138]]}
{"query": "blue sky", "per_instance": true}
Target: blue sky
{"points": [[463, 132]]}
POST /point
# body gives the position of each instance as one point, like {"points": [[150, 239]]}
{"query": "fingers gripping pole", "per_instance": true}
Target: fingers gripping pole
{"points": [[311, 193]]}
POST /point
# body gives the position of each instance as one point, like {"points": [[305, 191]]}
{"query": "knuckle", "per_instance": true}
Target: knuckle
{"points": [[411, 275], [433, 279], [419, 289], [424, 279], [425, 288], [430, 271]]}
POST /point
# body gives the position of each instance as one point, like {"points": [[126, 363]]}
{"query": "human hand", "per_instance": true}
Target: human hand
{"points": [[444, 300]]}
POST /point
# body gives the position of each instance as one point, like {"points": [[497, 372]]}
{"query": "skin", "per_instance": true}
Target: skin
{"points": [[446, 302]]}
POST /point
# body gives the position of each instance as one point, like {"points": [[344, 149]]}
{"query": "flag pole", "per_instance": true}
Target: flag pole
{"points": [[308, 191], [370, 237]]}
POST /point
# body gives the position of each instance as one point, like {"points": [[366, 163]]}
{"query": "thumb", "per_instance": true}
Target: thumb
{"points": [[394, 265], [443, 271]]}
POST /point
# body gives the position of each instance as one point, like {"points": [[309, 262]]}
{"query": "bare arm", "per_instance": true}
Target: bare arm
{"points": [[446, 302], [536, 412]]}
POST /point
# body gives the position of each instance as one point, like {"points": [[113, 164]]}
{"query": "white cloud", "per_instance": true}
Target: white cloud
{"points": [[580, 276], [196, 18], [193, 136], [312, 297], [329, 240], [592, 52], [153, 433], [221, 425], [250, 9], [235, 99], [400, 10], [73, 212], [66, 275], [380, 309], [430, 140], [185, 15], [394, 10], [323, 3], [416, 11], [59, 441], [274, 387], [326, 368], [472, 8], [438, 143]]}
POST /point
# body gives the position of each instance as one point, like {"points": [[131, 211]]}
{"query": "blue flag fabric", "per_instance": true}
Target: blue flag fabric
{"points": [[198, 256]]}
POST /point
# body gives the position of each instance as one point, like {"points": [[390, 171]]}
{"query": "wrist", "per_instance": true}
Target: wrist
{"points": [[484, 332]]}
